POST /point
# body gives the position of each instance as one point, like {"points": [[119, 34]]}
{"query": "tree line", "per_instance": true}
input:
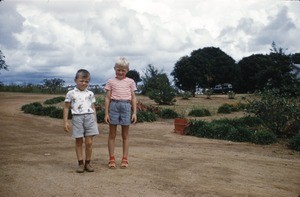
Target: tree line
{"points": [[209, 66]]}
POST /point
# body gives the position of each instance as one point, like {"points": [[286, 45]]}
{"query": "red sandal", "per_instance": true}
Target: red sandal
{"points": [[111, 163], [124, 163]]}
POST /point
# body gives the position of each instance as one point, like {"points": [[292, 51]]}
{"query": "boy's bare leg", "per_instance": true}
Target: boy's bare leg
{"points": [[125, 131], [88, 147], [111, 139], [78, 148]]}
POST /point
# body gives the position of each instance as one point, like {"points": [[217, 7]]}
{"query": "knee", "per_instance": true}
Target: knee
{"points": [[124, 137], [112, 136], [79, 141], [88, 143]]}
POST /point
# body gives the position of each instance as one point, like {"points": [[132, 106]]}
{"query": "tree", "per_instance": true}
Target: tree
{"points": [[157, 86], [252, 75], [205, 67], [163, 93], [150, 73], [3, 65], [53, 84], [273, 70], [185, 75], [133, 74]]}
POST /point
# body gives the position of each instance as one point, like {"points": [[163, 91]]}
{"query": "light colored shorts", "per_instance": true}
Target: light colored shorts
{"points": [[84, 125], [120, 112]]}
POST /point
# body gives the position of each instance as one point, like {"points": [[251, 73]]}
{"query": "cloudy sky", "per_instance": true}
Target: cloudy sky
{"points": [[54, 38]]}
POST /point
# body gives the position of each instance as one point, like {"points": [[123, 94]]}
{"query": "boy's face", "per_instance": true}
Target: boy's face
{"points": [[82, 83], [121, 71]]}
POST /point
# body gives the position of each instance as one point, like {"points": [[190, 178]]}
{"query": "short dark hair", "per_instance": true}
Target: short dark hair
{"points": [[84, 73]]}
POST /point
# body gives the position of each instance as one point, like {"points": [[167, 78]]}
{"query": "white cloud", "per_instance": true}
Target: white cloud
{"points": [[55, 38]]}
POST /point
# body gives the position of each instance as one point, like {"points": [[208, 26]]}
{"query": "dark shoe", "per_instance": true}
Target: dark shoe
{"points": [[80, 169], [89, 168]]}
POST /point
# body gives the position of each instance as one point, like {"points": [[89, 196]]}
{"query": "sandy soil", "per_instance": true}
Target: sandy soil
{"points": [[37, 158]]}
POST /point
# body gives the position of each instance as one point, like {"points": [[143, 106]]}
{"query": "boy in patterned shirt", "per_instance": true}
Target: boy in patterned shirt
{"points": [[120, 109], [84, 120]]}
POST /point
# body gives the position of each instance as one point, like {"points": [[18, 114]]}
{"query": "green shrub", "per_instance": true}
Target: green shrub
{"points": [[247, 121], [57, 113], [275, 109], [240, 135], [35, 108], [54, 100], [226, 129], [100, 103], [186, 95], [168, 114], [199, 112], [100, 116], [145, 116], [195, 128], [250, 121], [264, 137], [220, 131], [34, 104], [224, 109], [231, 94], [48, 110], [294, 143]]}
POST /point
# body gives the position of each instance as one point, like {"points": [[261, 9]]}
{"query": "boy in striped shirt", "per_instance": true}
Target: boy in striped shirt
{"points": [[120, 109]]}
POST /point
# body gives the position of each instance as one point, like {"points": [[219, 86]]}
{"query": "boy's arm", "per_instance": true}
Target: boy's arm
{"points": [[67, 127], [133, 103], [94, 109], [107, 102]]}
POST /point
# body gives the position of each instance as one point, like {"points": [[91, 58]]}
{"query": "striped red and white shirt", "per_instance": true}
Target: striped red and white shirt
{"points": [[120, 89]]}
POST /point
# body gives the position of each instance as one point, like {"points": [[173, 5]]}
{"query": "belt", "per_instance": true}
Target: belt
{"points": [[120, 101]]}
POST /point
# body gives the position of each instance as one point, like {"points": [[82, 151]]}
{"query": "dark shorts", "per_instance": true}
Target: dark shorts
{"points": [[84, 125], [120, 112]]}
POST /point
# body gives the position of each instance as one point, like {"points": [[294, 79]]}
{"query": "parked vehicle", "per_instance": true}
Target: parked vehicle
{"points": [[222, 88]]}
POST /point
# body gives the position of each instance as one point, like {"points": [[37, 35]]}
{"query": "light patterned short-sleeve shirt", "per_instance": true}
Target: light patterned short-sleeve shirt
{"points": [[120, 89], [81, 101]]}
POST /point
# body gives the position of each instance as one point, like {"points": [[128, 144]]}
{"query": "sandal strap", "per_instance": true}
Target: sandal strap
{"points": [[124, 160], [112, 158]]}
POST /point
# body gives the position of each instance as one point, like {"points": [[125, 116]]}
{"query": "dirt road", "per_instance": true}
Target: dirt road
{"points": [[37, 158]]}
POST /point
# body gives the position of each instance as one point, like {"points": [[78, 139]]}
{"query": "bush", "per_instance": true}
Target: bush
{"points": [[237, 130], [145, 116], [199, 112], [48, 110], [264, 137], [220, 131], [275, 109], [195, 128], [35, 108], [57, 113], [247, 121], [224, 109], [186, 95], [250, 121], [168, 114], [240, 135], [294, 143], [54, 100], [100, 116], [231, 94]]}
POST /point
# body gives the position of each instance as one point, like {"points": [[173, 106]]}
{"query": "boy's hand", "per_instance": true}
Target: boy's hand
{"points": [[106, 118], [67, 127], [133, 118]]}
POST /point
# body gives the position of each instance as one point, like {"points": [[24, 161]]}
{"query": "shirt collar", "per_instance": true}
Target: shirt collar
{"points": [[76, 89]]}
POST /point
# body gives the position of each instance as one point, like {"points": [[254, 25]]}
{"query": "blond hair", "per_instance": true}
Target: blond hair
{"points": [[122, 61]]}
